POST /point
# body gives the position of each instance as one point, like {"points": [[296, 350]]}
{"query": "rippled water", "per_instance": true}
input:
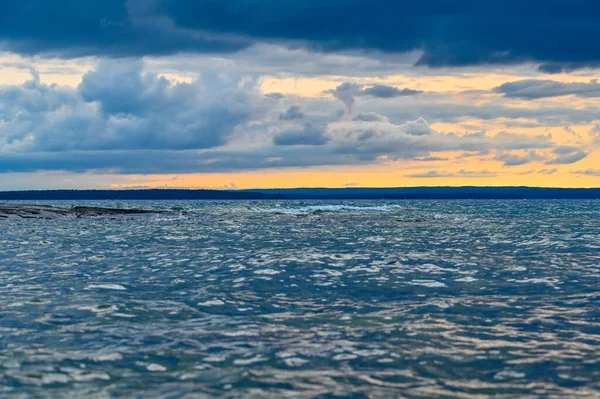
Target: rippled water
{"points": [[307, 299]]}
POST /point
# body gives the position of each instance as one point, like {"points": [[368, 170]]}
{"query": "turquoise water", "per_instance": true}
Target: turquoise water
{"points": [[357, 299]]}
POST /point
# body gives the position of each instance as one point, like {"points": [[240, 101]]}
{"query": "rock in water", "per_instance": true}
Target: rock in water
{"points": [[27, 211]]}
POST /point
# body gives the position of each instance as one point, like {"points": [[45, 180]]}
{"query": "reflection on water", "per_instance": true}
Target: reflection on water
{"points": [[305, 299]]}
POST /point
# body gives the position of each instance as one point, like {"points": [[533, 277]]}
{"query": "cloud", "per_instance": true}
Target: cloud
{"points": [[587, 172], [115, 28], [595, 133], [555, 33], [448, 109], [370, 117], [348, 91], [565, 149], [382, 91], [346, 143], [416, 139], [430, 159], [122, 118], [119, 107], [430, 174], [567, 155], [418, 127], [517, 160], [566, 67], [461, 173], [308, 135], [568, 159], [293, 112], [525, 173], [532, 89], [548, 171]]}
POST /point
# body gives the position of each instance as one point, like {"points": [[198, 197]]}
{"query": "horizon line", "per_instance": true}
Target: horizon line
{"points": [[294, 188]]}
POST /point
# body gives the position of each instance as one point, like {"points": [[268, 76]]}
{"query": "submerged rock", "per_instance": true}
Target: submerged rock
{"points": [[27, 211]]}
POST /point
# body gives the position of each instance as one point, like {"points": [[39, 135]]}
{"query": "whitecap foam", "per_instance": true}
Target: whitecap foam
{"points": [[267, 271], [467, 279], [508, 375], [295, 361], [116, 287], [428, 283], [106, 357], [156, 367], [247, 361], [214, 302], [344, 356]]}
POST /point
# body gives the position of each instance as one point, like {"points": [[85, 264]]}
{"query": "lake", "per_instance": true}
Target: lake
{"points": [[259, 299]]}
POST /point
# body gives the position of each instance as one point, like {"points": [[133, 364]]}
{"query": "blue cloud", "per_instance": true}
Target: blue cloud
{"points": [[124, 119], [370, 117], [309, 134], [119, 107], [517, 159], [293, 112], [568, 159], [348, 91], [531, 89], [382, 91]]}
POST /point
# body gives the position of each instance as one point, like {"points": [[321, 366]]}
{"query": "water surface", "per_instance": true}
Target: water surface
{"points": [[357, 299]]}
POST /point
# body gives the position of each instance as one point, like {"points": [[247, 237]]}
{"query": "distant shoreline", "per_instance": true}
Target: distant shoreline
{"points": [[400, 193]]}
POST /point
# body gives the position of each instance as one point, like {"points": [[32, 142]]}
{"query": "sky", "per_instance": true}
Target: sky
{"points": [[237, 94]]}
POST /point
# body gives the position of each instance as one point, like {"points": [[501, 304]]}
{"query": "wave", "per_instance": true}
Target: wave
{"points": [[316, 209]]}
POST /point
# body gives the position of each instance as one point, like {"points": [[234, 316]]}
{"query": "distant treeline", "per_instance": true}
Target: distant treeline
{"points": [[311, 193], [158, 194], [467, 192]]}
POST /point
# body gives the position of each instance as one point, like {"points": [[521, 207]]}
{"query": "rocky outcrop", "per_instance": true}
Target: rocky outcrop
{"points": [[27, 211]]}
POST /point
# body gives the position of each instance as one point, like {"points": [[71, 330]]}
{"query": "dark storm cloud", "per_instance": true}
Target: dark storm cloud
{"points": [[531, 89], [558, 34], [121, 28], [566, 67]]}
